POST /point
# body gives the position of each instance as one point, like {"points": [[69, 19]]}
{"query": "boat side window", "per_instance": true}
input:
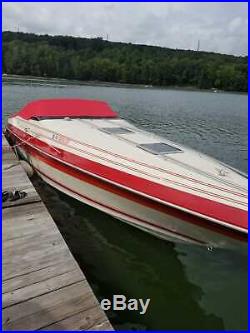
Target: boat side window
{"points": [[115, 130], [159, 148]]}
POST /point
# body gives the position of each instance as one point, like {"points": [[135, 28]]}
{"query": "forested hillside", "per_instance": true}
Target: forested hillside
{"points": [[97, 59]]}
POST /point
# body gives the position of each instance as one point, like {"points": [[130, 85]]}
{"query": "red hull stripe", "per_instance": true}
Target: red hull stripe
{"points": [[118, 211], [58, 165], [208, 208]]}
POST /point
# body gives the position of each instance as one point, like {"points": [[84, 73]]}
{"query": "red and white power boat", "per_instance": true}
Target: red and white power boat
{"points": [[82, 148]]}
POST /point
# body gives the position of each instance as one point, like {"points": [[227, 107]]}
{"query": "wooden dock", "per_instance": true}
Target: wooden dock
{"points": [[43, 287]]}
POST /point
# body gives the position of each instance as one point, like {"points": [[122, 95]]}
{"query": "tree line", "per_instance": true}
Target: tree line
{"points": [[100, 60]]}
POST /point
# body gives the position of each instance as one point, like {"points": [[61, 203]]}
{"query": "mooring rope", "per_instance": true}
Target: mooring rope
{"points": [[8, 148]]}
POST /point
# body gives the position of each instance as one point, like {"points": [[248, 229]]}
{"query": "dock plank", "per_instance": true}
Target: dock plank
{"points": [[7, 152], [40, 288], [43, 287], [47, 309], [10, 270], [39, 275], [25, 220], [84, 320], [14, 178]]}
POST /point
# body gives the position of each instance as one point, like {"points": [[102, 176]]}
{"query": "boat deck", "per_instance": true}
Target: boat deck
{"points": [[43, 287]]}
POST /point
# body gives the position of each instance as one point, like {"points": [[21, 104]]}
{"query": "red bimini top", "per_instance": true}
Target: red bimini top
{"points": [[60, 108]]}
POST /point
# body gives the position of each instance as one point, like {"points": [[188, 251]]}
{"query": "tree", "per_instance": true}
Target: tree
{"points": [[97, 59]]}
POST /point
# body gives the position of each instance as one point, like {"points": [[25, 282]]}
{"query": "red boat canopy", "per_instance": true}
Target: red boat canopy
{"points": [[60, 108]]}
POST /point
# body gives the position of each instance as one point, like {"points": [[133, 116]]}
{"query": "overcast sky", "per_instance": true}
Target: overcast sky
{"points": [[220, 27]]}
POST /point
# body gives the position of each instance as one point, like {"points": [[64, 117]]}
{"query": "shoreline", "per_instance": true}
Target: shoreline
{"points": [[65, 82]]}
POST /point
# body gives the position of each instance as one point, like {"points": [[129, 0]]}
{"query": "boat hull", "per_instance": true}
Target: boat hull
{"points": [[154, 218]]}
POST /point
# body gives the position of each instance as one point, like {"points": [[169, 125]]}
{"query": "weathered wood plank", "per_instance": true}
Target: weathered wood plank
{"points": [[39, 275], [41, 288], [104, 326], [29, 254], [10, 270], [14, 178], [7, 151], [42, 285], [26, 215], [91, 319], [31, 244], [26, 220], [19, 231], [8, 156], [49, 308]]}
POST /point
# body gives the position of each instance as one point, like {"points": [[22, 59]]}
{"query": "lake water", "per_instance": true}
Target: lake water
{"points": [[190, 287]]}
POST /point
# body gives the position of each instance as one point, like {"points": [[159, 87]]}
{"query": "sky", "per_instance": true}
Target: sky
{"points": [[219, 27]]}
